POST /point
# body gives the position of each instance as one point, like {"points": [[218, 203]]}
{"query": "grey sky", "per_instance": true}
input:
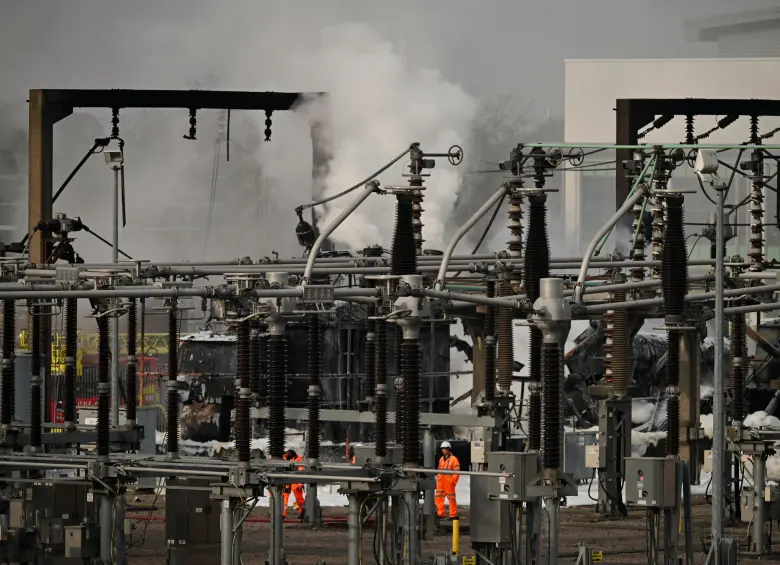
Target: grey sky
{"points": [[488, 47]]}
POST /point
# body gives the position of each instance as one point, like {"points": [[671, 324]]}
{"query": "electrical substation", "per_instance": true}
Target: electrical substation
{"points": [[67, 483]]}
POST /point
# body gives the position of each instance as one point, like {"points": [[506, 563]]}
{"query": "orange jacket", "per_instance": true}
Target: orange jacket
{"points": [[297, 458], [449, 463]]}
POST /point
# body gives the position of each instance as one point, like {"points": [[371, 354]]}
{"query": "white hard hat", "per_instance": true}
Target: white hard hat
{"points": [[446, 444]]}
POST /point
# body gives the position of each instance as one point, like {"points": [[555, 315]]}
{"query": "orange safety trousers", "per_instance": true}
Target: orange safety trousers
{"points": [[445, 486], [297, 490]]}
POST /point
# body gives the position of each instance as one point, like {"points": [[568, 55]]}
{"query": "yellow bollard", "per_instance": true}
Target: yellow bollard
{"points": [[455, 536]]}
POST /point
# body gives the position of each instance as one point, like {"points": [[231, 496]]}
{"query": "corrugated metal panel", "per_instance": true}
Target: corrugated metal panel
{"points": [[764, 43]]}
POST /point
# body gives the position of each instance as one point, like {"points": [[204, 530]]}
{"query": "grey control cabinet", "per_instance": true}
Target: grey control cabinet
{"points": [[651, 481], [518, 470]]}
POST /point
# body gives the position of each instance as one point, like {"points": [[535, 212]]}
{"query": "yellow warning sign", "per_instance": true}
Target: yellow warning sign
{"points": [[597, 556], [470, 560]]}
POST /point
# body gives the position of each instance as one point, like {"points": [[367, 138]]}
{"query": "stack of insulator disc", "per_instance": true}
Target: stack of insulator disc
{"points": [[380, 431], [674, 260], [515, 243], [277, 395], [262, 369], [173, 372], [132, 347], [674, 280], [255, 353], [104, 396], [36, 417], [551, 452], [638, 242], [369, 359], [403, 258], [617, 348], [410, 371], [506, 360], [242, 428], [312, 401], [8, 374], [738, 372], [417, 211], [489, 327], [673, 400], [71, 350], [537, 246], [537, 267], [400, 393]]}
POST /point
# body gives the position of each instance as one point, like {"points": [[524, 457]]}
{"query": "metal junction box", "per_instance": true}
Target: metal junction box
{"points": [[364, 455], [520, 469], [192, 529], [771, 500], [651, 481], [575, 454], [493, 525]]}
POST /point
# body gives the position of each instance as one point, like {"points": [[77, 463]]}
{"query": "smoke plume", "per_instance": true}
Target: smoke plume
{"points": [[380, 102]]}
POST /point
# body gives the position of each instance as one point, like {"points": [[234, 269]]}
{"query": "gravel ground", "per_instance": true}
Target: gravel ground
{"points": [[622, 541]]}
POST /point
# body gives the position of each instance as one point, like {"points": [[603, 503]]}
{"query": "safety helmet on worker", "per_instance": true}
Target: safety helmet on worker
{"points": [[446, 445]]}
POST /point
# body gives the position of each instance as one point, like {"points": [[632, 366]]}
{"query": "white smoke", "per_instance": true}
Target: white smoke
{"points": [[380, 102]]}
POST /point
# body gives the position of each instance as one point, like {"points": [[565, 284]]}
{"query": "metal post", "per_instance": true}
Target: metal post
{"points": [[758, 536], [238, 538], [429, 462], [353, 525], [276, 556], [719, 413], [226, 533], [120, 557], [412, 532], [106, 529], [115, 390], [552, 531]]}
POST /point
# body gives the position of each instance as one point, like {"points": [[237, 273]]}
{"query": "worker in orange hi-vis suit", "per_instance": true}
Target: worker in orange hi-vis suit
{"points": [[445, 483], [296, 489]]}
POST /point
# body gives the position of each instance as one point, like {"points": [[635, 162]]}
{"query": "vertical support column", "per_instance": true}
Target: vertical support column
{"points": [[106, 529], [120, 509], [276, 554], [42, 117], [115, 388], [226, 532], [429, 462], [758, 534], [690, 402], [353, 530]]}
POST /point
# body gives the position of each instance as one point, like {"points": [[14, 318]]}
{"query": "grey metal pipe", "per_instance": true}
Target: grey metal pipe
{"points": [[471, 298], [465, 473], [719, 408], [174, 471], [353, 530], [321, 478], [429, 460], [758, 537], [628, 304], [226, 533], [106, 530], [276, 555], [34, 465], [651, 283], [368, 190], [767, 307], [120, 508], [734, 292], [464, 229], [553, 532], [639, 192]]}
